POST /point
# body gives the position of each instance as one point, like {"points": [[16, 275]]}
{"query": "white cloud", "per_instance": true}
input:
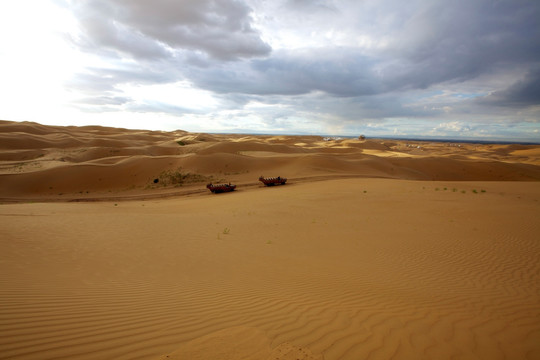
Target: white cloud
{"points": [[34, 60], [180, 94], [283, 66]]}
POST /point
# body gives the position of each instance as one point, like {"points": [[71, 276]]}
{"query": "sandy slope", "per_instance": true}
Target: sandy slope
{"points": [[362, 256]]}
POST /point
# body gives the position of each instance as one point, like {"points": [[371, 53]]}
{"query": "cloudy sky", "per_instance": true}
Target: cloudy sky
{"points": [[460, 68]]}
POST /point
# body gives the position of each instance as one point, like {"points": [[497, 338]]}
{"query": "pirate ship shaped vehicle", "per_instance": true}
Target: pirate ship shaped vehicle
{"points": [[273, 181], [219, 188]]}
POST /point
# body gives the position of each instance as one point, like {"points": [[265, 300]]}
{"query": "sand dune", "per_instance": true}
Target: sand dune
{"points": [[373, 250], [69, 163]]}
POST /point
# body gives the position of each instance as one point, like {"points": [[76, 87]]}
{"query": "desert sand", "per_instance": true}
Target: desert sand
{"points": [[111, 247]]}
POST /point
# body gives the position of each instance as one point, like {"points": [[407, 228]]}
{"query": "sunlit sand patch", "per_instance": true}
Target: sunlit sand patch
{"points": [[529, 156], [381, 153]]}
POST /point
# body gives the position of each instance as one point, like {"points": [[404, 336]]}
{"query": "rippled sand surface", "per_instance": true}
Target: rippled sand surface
{"points": [[372, 250]]}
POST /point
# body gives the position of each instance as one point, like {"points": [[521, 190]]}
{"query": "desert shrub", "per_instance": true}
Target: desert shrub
{"points": [[179, 178]]}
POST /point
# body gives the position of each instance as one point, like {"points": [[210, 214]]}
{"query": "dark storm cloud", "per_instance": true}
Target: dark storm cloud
{"points": [[440, 42], [104, 33], [390, 59], [459, 40], [339, 72], [143, 29], [437, 42], [523, 93]]}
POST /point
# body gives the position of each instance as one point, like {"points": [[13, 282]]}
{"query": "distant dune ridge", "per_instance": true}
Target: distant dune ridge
{"points": [[91, 162], [111, 247]]}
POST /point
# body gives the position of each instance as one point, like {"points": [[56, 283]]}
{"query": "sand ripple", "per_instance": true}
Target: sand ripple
{"points": [[303, 281], [362, 255]]}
